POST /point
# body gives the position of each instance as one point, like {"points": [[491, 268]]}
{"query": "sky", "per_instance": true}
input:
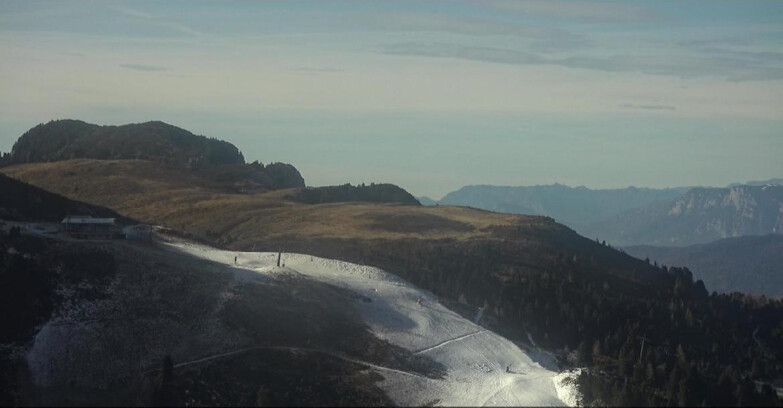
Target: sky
{"points": [[431, 96]]}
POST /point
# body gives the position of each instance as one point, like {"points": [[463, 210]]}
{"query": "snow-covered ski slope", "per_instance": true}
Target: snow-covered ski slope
{"points": [[409, 317]]}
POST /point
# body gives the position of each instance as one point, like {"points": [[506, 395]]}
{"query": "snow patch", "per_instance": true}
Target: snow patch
{"points": [[565, 385], [482, 368]]}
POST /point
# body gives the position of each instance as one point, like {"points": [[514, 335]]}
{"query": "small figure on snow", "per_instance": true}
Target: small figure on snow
{"points": [[508, 368], [235, 260]]}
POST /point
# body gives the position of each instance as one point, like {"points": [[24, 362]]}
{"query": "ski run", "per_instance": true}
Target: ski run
{"points": [[483, 368]]}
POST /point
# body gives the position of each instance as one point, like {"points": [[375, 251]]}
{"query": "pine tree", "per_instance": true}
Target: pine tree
{"points": [[163, 392], [597, 348], [674, 384], [263, 397], [585, 354], [649, 374], [624, 363], [682, 359]]}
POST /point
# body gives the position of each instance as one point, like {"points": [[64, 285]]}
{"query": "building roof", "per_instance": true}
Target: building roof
{"points": [[86, 219]]}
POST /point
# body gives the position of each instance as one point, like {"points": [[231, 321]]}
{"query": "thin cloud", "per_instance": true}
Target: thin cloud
{"points": [[543, 37], [160, 21], [584, 11], [733, 67], [486, 54], [459, 25], [315, 69], [649, 107], [144, 68]]}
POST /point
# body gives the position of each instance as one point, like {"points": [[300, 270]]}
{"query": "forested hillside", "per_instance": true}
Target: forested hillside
{"points": [[752, 264], [699, 348], [373, 193]]}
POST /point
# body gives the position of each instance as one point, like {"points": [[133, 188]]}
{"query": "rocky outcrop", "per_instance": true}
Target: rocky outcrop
{"points": [[284, 175], [699, 216]]}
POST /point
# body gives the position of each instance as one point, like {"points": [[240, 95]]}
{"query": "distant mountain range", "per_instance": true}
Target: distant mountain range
{"points": [[685, 217], [636, 216], [424, 200], [574, 206], [699, 216], [773, 181], [745, 264]]}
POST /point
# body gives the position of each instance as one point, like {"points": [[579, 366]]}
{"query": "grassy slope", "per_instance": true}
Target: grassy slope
{"points": [[348, 231], [179, 199], [454, 251]]}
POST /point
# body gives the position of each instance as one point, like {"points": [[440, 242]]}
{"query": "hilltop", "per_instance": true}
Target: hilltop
{"points": [[158, 152], [215, 160], [73, 139]]}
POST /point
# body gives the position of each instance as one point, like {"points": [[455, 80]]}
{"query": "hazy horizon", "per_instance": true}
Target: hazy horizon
{"points": [[431, 96]]}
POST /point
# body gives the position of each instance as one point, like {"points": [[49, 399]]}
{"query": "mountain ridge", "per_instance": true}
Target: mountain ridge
{"points": [[574, 206], [699, 216]]}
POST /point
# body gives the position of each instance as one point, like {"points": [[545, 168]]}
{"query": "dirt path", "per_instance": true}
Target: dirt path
{"points": [[215, 357], [445, 342], [285, 348]]}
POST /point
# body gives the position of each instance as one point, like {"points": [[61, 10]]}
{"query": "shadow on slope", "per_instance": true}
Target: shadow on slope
{"points": [[22, 201], [109, 331]]}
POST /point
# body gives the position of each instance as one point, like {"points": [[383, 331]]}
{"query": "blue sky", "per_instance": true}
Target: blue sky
{"points": [[428, 95]]}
